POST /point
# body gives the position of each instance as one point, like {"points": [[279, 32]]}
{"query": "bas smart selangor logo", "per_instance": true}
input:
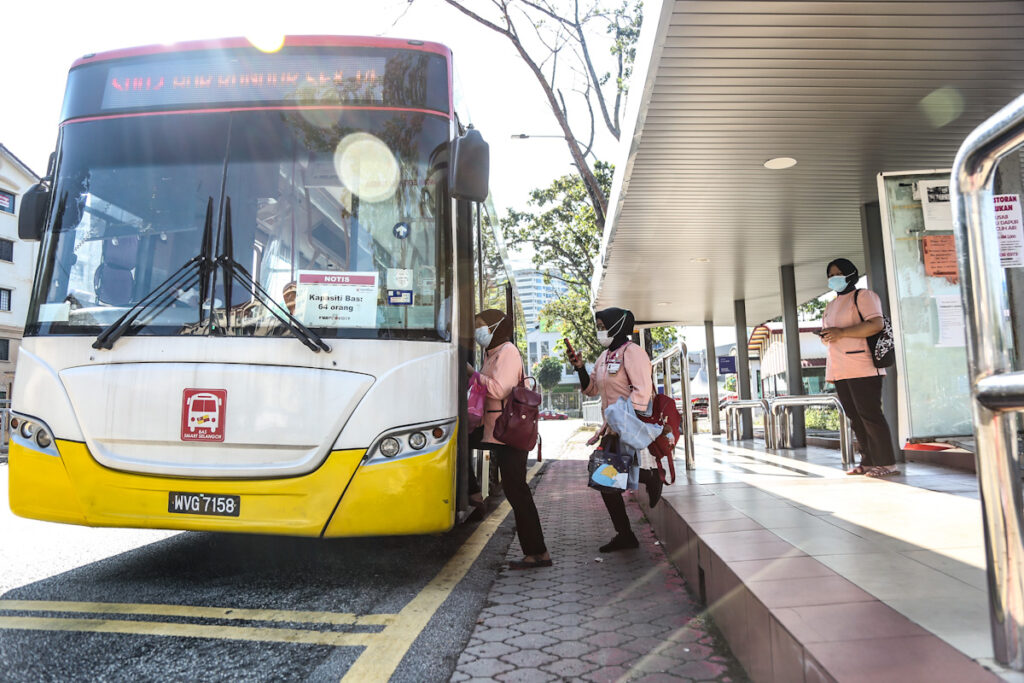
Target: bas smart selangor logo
{"points": [[202, 414]]}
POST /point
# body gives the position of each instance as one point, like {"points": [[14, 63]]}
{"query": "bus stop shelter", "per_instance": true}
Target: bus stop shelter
{"points": [[754, 144]]}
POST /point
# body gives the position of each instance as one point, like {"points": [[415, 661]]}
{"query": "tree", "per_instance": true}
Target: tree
{"points": [[572, 315], [561, 226], [811, 310], [662, 339], [562, 29], [548, 372]]}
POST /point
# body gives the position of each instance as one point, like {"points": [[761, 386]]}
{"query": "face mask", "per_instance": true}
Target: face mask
{"points": [[483, 336], [837, 283], [485, 333], [603, 339]]}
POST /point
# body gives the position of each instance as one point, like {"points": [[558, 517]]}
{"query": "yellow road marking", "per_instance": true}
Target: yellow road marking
{"points": [[190, 611], [387, 649], [161, 628], [383, 651]]}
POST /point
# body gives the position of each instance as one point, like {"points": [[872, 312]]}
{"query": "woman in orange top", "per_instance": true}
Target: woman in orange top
{"points": [[848, 320], [622, 370], [501, 372]]}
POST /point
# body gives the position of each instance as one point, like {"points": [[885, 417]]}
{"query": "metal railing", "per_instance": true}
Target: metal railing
{"points": [[592, 413], [997, 391], [732, 417], [780, 417], [686, 429]]}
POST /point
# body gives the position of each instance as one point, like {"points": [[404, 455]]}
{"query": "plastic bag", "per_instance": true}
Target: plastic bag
{"points": [[634, 433], [475, 400]]}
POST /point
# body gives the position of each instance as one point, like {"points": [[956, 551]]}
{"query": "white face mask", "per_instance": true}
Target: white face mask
{"points": [[485, 333], [603, 339], [483, 336]]}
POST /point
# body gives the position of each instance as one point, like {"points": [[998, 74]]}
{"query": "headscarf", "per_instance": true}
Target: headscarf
{"points": [[504, 329], [846, 268], [619, 323]]}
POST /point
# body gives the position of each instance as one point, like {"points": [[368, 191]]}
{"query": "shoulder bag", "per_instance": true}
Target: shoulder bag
{"points": [[881, 345]]}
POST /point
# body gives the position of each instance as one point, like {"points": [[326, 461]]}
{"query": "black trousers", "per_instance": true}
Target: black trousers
{"points": [[512, 465], [617, 507], [862, 400]]}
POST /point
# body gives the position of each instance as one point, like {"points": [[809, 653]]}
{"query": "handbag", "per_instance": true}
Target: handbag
{"points": [[517, 424], [881, 345], [610, 469]]}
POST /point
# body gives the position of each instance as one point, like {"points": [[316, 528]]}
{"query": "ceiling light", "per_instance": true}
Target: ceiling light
{"points": [[664, 303], [700, 259], [779, 163]]}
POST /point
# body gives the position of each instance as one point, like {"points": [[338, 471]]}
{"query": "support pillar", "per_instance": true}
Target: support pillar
{"points": [[874, 265], [743, 369], [794, 372], [712, 359]]}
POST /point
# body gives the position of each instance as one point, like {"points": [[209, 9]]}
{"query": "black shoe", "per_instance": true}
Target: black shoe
{"points": [[654, 489], [620, 542]]}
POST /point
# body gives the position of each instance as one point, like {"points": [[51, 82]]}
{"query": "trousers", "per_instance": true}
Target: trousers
{"points": [[862, 400], [617, 507], [512, 466]]}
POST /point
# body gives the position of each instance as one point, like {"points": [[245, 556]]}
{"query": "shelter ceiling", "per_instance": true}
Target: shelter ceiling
{"points": [[846, 88]]}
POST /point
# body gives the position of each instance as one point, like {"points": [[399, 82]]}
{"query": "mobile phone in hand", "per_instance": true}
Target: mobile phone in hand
{"points": [[572, 352]]}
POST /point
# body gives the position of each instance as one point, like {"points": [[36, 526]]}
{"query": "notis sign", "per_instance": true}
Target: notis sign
{"points": [[202, 414]]}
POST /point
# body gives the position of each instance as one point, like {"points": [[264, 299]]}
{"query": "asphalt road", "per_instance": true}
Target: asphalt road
{"points": [[117, 605]]}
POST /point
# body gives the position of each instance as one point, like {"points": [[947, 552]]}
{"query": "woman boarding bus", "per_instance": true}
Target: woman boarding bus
{"points": [[253, 300]]}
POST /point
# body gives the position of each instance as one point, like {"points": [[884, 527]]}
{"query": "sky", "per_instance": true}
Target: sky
{"points": [[502, 95]]}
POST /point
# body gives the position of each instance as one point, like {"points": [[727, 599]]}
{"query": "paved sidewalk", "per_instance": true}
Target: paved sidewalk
{"points": [[624, 616]]}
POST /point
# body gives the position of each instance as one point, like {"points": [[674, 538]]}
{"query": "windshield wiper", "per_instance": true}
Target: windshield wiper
{"points": [[164, 294], [235, 270]]}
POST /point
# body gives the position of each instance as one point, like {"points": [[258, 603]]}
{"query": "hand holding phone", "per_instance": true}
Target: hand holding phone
{"points": [[574, 357]]}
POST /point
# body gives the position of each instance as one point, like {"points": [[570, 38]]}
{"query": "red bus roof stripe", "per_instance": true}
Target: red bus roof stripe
{"points": [[225, 110], [289, 41]]}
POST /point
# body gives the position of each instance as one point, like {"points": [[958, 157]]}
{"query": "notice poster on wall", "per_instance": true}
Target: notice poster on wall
{"points": [[938, 212], [951, 320], [328, 298], [940, 257], [1010, 229]]}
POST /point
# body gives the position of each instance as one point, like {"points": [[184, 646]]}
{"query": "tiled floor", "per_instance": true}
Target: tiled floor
{"points": [[798, 532], [624, 616]]}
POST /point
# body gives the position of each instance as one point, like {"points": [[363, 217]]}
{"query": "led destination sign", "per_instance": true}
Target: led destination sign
{"points": [[317, 79]]}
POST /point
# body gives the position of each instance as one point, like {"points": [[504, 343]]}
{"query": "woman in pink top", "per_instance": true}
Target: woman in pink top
{"points": [[849, 320], [501, 372], [623, 370]]}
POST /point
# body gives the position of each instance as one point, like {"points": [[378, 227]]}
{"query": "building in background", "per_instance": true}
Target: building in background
{"points": [[17, 264], [766, 344], [535, 294]]}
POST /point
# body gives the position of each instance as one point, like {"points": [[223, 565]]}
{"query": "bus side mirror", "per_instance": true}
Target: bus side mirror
{"points": [[470, 167], [32, 215]]}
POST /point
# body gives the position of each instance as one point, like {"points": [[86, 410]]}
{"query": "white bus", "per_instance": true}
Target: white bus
{"points": [[290, 244]]}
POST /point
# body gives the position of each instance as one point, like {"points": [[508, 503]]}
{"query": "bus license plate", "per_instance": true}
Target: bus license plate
{"points": [[203, 504]]}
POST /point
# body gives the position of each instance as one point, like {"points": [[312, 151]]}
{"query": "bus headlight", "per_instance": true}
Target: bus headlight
{"points": [[390, 447], [411, 440], [31, 432]]}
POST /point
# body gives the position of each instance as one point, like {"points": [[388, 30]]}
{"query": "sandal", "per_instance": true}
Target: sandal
{"points": [[879, 472], [527, 563], [859, 469]]}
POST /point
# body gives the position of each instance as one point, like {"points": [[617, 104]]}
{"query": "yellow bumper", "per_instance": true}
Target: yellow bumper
{"points": [[414, 495]]}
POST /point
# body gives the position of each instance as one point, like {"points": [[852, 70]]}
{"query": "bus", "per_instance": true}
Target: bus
{"points": [[254, 298]]}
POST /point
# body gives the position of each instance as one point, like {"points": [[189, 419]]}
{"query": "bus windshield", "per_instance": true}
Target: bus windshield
{"points": [[337, 214]]}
